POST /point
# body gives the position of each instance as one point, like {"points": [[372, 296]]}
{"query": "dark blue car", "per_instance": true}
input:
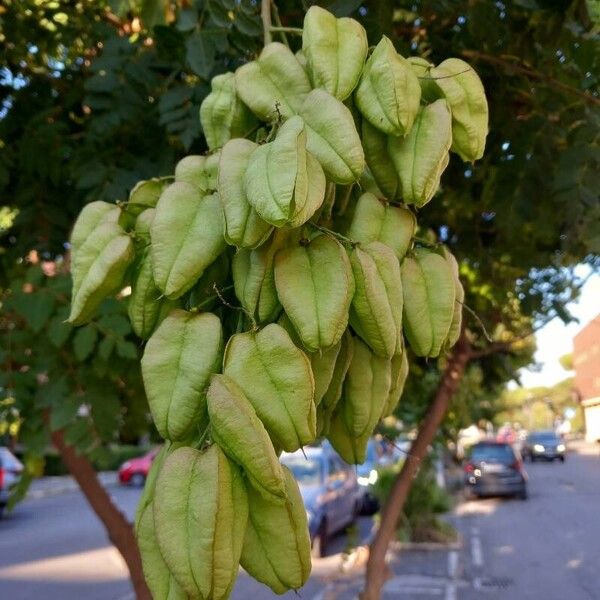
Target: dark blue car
{"points": [[329, 489]]}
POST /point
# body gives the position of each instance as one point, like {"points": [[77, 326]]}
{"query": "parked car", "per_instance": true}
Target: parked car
{"points": [[329, 489], [10, 472], [495, 469], [135, 470], [544, 444]]}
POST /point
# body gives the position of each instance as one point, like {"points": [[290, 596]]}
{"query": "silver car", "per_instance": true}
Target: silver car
{"points": [[10, 472]]}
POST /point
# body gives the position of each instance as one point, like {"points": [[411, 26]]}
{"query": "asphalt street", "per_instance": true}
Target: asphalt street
{"points": [[547, 547]]}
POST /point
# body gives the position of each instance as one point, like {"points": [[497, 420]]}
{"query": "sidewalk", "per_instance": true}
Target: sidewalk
{"points": [[54, 486]]}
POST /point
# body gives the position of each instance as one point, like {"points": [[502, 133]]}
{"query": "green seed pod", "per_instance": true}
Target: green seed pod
{"points": [[243, 227], [376, 221], [335, 51], [284, 182], [142, 227], [457, 82], [277, 379], [199, 171], [322, 362], [399, 372], [422, 156], [243, 437], [376, 312], [389, 93], [177, 363], [276, 548], [146, 308], [101, 253], [315, 286], [422, 69], [159, 579], [375, 144], [429, 298], [334, 391], [254, 278], [145, 194], [456, 325], [332, 137], [223, 115], [274, 83], [203, 295], [366, 391], [200, 516], [187, 236]]}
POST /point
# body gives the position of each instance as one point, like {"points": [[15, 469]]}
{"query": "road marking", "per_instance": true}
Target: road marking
{"points": [[476, 550], [452, 564], [450, 591]]}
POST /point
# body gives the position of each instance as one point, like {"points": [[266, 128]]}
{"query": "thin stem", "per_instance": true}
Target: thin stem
{"points": [[339, 236], [487, 336], [265, 15], [279, 23], [295, 30], [209, 299], [428, 78], [229, 305]]}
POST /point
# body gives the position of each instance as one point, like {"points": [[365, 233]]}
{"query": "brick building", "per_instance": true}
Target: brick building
{"points": [[586, 361]]}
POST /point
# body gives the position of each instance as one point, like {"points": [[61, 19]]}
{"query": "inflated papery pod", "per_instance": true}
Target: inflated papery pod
{"points": [[364, 397], [376, 146], [145, 194], [276, 547], [283, 181], [254, 277], [455, 326], [458, 83], [332, 137], [335, 51], [273, 85], [242, 436], [176, 367], [422, 156], [322, 362], [244, 228], [276, 377], [199, 171], [186, 235], [223, 115], [375, 220], [399, 374], [429, 291], [200, 514], [101, 253], [376, 311], [334, 391], [315, 285], [389, 93]]}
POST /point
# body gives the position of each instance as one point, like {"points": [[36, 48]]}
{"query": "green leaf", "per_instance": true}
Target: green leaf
{"points": [[77, 433], [106, 412], [64, 412], [127, 349], [35, 308], [84, 342], [58, 331], [201, 53], [116, 324], [153, 12], [106, 347]]}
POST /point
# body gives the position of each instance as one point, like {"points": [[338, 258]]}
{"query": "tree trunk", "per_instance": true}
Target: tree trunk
{"points": [[120, 530], [377, 570]]}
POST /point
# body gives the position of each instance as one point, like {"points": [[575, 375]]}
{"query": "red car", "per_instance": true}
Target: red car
{"points": [[135, 471]]}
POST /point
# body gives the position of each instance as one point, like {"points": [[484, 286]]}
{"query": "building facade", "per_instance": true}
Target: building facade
{"points": [[586, 362]]}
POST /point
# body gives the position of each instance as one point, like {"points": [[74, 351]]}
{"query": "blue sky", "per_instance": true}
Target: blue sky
{"points": [[556, 339]]}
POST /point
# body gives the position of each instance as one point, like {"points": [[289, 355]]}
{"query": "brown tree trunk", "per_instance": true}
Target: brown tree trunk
{"points": [[377, 570], [120, 530]]}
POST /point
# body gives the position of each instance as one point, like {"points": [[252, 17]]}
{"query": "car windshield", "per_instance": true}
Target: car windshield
{"points": [[306, 471], [502, 453], [544, 437]]}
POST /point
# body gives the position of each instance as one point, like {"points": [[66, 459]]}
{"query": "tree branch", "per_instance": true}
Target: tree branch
{"points": [[120, 530], [265, 15], [531, 74]]}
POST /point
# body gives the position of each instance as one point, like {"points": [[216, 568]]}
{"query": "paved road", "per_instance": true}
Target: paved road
{"points": [[54, 547]]}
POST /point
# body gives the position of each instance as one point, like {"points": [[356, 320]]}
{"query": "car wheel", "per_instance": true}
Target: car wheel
{"points": [[319, 545], [562, 459], [138, 480], [370, 505], [1, 510], [523, 494]]}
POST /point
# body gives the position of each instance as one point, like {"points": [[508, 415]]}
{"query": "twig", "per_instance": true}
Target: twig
{"points": [[339, 236], [279, 24], [265, 15], [487, 336], [296, 30], [445, 76], [527, 72], [233, 307]]}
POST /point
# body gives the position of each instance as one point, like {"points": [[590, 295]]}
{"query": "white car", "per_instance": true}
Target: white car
{"points": [[10, 472]]}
